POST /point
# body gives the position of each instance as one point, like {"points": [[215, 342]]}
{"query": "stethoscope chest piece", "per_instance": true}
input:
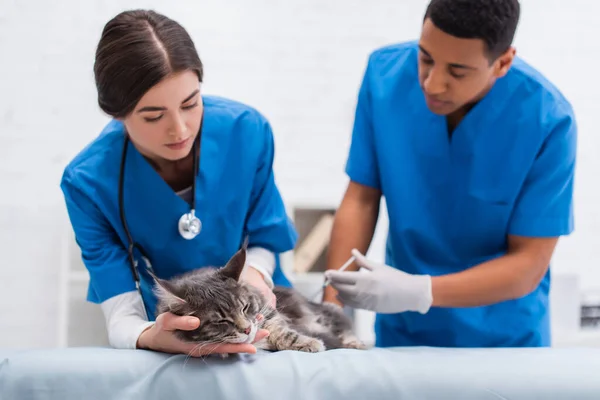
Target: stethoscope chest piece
{"points": [[189, 225]]}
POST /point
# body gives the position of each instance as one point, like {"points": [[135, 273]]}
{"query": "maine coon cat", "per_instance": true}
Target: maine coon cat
{"points": [[232, 311]]}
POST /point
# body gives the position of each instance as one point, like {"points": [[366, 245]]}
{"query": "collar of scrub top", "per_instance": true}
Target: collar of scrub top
{"points": [[475, 126], [147, 196]]}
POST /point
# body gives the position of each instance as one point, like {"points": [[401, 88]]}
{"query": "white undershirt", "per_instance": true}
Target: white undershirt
{"points": [[124, 313]]}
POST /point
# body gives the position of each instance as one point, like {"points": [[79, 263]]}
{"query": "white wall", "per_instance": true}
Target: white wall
{"points": [[299, 62]]}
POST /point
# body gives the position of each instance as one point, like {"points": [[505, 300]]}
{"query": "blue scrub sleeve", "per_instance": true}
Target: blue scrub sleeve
{"points": [[267, 222], [544, 207], [104, 256], [361, 165]]}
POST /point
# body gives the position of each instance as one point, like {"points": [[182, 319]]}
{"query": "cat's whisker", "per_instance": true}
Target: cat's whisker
{"points": [[189, 355], [266, 311], [262, 312], [200, 346], [281, 308], [217, 344]]}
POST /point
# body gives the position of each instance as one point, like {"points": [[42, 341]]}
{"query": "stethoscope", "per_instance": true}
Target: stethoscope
{"points": [[189, 224]]}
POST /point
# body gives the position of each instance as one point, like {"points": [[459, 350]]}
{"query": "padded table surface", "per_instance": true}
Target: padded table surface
{"points": [[398, 373]]}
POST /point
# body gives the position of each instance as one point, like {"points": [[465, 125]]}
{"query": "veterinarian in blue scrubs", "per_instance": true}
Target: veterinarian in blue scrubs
{"points": [[173, 150], [474, 151]]}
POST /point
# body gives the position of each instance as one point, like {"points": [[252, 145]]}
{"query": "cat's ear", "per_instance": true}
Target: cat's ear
{"points": [[166, 291], [245, 243], [234, 267]]}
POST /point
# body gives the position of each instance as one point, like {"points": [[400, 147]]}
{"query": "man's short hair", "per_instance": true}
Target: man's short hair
{"points": [[493, 21]]}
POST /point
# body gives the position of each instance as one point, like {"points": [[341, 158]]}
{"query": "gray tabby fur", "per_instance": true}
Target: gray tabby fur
{"points": [[230, 312]]}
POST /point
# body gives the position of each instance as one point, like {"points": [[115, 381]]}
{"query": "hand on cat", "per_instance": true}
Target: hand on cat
{"points": [[255, 278], [160, 337]]}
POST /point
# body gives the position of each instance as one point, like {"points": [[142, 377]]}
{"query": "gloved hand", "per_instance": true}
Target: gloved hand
{"points": [[384, 289]]}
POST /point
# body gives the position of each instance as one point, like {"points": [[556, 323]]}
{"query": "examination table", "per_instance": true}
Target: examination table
{"points": [[401, 373]]}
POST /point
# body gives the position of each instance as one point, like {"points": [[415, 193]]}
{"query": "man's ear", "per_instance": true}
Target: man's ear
{"points": [[166, 291], [504, 62], [234, 267]]}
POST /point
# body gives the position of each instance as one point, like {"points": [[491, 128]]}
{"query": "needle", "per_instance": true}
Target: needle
{"points": [[326, 282], [343, 267]]}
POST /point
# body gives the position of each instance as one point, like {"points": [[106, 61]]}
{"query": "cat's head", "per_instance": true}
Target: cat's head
{"points": [[227, 308]]}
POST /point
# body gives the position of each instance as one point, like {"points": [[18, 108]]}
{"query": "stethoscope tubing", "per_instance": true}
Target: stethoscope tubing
{"points": [[132, 245]]}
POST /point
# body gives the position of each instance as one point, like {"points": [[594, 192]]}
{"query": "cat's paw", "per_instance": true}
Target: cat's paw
{"points": [[309, 346], [354, 344]]}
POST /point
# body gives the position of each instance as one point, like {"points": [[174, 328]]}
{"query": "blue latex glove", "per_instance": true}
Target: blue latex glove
{"points": [[383, 289]]}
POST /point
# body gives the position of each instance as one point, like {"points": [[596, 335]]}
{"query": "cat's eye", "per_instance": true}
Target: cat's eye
{"points": [[245, 309]]}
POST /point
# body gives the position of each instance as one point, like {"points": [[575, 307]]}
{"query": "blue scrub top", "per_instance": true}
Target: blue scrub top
{"points": [[236, 195], [508, 169]]}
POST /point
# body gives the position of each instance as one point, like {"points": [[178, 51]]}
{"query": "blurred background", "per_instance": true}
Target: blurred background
{"points": [[298, 62]]}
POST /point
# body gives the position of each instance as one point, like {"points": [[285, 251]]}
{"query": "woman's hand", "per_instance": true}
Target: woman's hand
{"points": [[160, 337], [256, 279]]}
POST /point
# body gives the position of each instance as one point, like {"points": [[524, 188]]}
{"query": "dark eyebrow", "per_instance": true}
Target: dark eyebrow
{"points": [[424, 51], [154, 108], [190, 96], [453, 65]]}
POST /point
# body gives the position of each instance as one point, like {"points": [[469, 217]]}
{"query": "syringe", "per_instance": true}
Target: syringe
{"points": [[326, 282], [343, 267]]}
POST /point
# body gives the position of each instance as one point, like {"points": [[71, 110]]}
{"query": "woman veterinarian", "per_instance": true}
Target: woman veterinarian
{"points": [[175, 181]]}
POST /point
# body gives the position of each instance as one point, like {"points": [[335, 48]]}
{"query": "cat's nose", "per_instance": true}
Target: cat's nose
{"points": [[247, 330]]}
